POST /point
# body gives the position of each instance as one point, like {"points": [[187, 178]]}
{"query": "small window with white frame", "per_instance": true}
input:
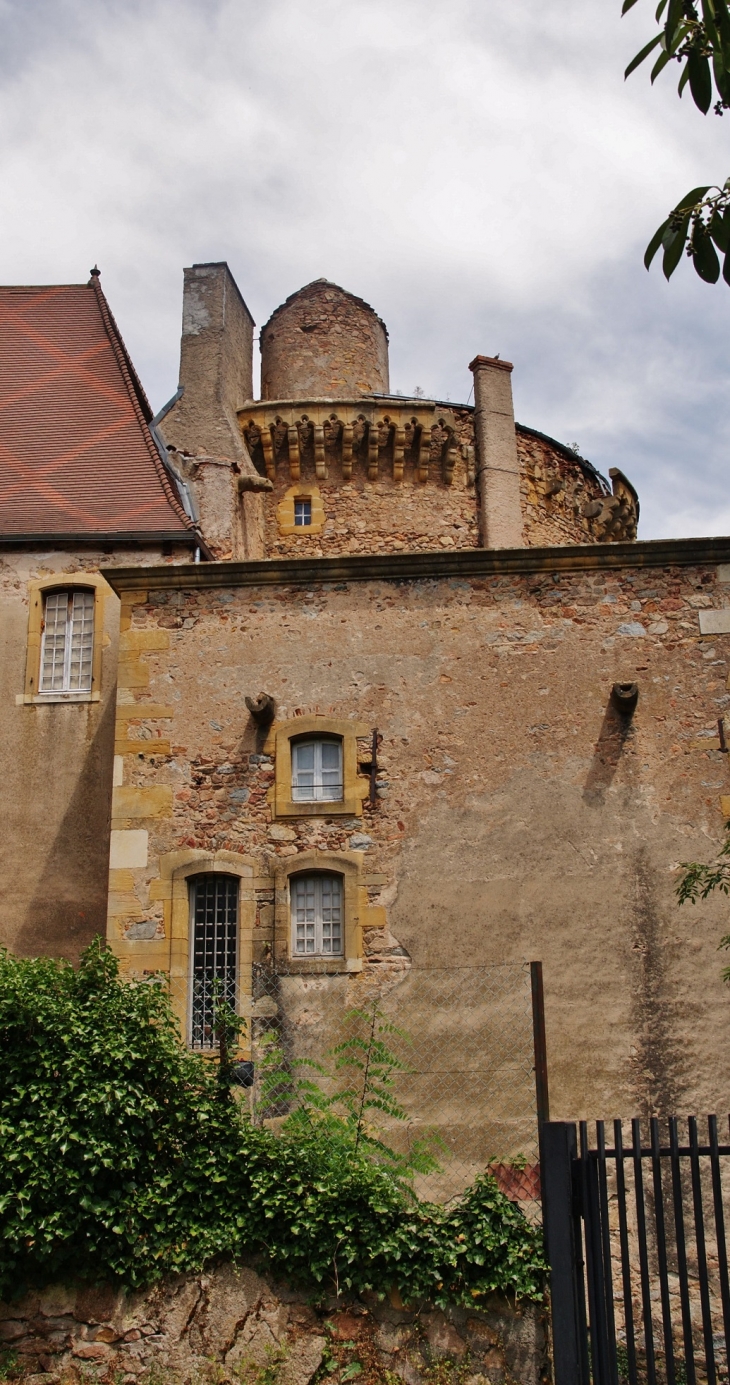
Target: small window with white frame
{"points": [[317, 915], [302, 512], [317, 770], [67, 648]]}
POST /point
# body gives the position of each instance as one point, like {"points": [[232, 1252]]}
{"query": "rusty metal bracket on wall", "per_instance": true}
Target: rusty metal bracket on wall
{"points": [[374, 769]]}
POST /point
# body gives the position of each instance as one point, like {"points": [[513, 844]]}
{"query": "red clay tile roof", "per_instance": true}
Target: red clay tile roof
{"points": [[77, 458]]}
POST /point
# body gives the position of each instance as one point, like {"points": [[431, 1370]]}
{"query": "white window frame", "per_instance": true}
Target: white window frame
{"points": [[319, 790], [305, 501], [71, 660], [317, 915]]}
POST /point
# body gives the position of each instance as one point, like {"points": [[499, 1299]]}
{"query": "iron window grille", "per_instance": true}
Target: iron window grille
{"points": [[302, 513], [214, 910], [67, 650], [317, 771], [316, 915]]}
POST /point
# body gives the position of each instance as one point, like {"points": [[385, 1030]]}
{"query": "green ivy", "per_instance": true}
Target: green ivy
{"points": [[123, 1156]]}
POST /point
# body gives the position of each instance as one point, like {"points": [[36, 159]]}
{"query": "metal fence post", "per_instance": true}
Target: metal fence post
{"points": [[563, 1244], [538, 1035]]}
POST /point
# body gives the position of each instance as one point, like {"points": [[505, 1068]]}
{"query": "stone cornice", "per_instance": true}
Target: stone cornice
{"points": [[414, 567]]}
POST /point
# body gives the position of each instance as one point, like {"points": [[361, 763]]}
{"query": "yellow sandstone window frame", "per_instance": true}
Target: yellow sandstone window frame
{"points": [[355, 787], [171, 954], [285, 511], [37, 593], [349, 866]]}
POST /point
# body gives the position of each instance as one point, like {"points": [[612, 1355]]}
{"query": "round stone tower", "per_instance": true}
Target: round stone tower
{"points": [[323, 343]]}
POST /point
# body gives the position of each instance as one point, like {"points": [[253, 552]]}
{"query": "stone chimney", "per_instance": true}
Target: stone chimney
{"points": [[216, 380], [498, 469]]}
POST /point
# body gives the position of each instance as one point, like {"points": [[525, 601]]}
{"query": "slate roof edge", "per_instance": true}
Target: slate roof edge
{"points": [[408, 567], [139, 401]]}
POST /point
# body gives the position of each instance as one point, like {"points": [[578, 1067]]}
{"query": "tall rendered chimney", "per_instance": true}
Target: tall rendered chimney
{"points": [[216, 380], [216, 365], [498, 468]]}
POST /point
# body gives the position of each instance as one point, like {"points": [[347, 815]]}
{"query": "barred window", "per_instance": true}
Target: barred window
{"points": [[316, 906], [316, 771], [214, 919], [68, 641]]}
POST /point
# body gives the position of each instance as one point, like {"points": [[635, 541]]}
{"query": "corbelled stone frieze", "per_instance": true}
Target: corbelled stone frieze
{"points": [[346, 433]]}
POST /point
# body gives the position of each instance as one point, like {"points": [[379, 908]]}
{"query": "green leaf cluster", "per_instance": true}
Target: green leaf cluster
{"points": [[351, 1094], [701, 880], [696, 35], [123, 1156]]}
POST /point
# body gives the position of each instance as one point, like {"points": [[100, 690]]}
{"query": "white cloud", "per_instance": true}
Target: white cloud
{"points": [[479, 172]]}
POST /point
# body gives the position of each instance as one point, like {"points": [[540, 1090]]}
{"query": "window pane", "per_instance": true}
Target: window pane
{"points": [[331, 914], [302, 512], [215, 946], [331, 771], [54, 642], [82, 641], [68, 642], [317, 915], [316, 771], [303, 771]]}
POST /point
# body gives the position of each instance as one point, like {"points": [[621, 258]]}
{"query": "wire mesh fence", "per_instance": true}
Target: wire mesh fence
{"points": [[453, 1045]]}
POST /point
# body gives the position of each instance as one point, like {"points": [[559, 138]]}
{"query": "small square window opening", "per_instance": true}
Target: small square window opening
{"points": [[302, 513]]}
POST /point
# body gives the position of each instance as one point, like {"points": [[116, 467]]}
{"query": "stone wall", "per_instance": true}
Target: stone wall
{"points": [[323, 342], [565, 501], [233, 1325], [516, 815], [57, 769], [411, 500]]}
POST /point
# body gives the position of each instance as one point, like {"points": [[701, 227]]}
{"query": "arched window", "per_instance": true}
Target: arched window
{"points": [[317, 915], [214, 951], [67, 648], [317, 770]]}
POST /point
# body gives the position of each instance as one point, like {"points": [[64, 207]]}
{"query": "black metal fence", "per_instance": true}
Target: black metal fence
{"points": [[635, 1224]]}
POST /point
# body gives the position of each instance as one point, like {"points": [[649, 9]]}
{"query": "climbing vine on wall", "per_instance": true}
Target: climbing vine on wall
{"points": [[122, 1155]]}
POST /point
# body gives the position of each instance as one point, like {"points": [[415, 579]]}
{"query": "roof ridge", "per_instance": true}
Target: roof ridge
{"points": [[138, 399]]}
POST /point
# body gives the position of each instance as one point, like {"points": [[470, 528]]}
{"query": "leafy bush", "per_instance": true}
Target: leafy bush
{"points": [[122, 1156]]}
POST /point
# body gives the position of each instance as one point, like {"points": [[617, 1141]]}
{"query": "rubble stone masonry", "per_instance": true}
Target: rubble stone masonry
{"points": [[233, 1326], [517, 815], [323, 341], [427, 505]]}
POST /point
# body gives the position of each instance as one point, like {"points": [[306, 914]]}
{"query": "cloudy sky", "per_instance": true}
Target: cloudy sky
{"points": [[478, 171]]}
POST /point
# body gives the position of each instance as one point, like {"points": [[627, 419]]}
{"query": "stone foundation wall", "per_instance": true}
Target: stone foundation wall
{"points": [[233, 1325]]}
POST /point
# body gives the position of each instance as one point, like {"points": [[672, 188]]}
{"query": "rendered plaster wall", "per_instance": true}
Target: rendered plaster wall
{"points": [[232, 1324], [323, 342], [216, 350], [55, 792], [516, 817]]}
